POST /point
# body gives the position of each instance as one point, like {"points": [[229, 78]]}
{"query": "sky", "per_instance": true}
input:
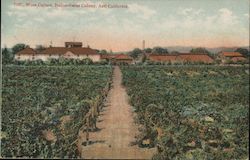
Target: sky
{"points": [[198, 23]]}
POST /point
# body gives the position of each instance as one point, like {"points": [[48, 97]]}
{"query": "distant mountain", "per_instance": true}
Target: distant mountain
{"points": [[186, 49], [213, 50]]}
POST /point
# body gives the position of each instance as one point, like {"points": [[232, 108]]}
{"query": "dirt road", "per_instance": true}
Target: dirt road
{"points": [[116, 129]]}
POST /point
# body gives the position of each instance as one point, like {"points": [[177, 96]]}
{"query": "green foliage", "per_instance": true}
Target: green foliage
{"points": [[199, 50], [148, 50], [243, 51], [103, 51], [18, 47], [159, 50], [135, 53], [203, 111], [7, 56], [144, 58], [36, 98]]}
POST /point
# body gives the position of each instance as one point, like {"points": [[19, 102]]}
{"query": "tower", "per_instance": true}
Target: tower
{"points": [[143, 45]]}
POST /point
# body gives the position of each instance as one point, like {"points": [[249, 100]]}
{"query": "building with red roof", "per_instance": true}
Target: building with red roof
{"points": [[73, 50], [181, 57], [118, 58], [231, 56]]}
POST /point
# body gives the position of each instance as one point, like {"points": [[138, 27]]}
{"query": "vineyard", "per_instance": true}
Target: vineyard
{"points": [[191, 112], [43, 108]]}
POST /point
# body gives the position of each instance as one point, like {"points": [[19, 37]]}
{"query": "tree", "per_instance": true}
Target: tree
{"points": [[40, 47], [175, 52], [7, 56], [159, 50], [148, 50], [199, 50], [103, 51], [97, 50], [135, 53], [18, 47], [243, 51]]}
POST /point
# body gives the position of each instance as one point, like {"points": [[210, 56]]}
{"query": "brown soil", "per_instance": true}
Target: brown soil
{"points": [[116, 129]]}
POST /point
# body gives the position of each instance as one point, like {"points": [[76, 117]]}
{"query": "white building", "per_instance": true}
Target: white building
{"points": [[72, 50]]}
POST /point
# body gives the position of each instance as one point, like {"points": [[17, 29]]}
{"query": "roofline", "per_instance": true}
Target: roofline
{"points": [[43, 52]]}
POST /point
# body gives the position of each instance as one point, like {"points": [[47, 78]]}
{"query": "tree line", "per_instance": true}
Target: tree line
{"points": [[135, 53]]}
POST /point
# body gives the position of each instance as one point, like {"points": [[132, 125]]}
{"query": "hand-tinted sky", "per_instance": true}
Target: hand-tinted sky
{"points": [[207, 23]]}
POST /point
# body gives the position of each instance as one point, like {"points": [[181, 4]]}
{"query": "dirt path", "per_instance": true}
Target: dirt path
{"points": [[116, 129]]}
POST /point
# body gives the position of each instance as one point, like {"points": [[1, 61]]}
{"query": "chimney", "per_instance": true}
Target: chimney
{"points": [[143, 45]]}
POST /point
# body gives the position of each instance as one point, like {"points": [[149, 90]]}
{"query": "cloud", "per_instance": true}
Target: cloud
{"points": [[223, 23], [192, 25], [226, 16], [141, 11], [186, 11], [189, 11]]}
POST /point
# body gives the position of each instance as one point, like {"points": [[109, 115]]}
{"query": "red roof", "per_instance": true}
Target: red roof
{"points": [[108, 56], [116, 56], [195, 57], [181, 57], [63, 50], [27, 51], [123, 57], [232, 54], [60, 50], [235, 59], [162, 57]]}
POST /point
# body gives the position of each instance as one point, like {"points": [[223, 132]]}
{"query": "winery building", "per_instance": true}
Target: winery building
{"points": [[180, 57], [72, 50], [232, 56]]}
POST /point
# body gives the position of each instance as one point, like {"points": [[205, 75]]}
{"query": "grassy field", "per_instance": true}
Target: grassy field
{"points": [[191, 112], [43, 108]]}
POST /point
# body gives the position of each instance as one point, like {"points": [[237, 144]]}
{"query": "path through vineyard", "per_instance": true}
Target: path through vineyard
{"points": [[116, 129]]}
